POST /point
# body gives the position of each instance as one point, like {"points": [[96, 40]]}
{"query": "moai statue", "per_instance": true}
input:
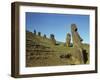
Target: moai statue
{"points": [[77, 40], [68, 40], [34, 32], [44, 36], [39, 33], [53, 39], [77, 43]]}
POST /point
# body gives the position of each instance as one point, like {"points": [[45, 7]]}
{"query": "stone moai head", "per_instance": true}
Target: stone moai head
{"points": [[68, 40], [75, 36], [73, 27]]}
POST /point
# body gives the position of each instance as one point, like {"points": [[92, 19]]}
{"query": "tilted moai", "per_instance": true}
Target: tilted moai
{"points": [[52, 37], [77, 43], [68, 40]]}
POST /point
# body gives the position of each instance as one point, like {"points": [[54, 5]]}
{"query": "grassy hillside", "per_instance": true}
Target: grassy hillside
{"points": [[41, 51]]}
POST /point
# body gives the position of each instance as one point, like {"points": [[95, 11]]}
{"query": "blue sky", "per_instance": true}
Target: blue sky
{"points": [[58, 24]]}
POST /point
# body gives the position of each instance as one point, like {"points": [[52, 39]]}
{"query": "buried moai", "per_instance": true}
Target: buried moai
{"points": [[68, 40], [52, 37], [77, 44]]}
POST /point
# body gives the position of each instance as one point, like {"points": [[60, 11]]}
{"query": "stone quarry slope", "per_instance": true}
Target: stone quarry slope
{"points": [[40, 51]]}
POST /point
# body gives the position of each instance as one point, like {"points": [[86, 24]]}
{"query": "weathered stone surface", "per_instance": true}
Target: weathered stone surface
{"points": [[77, 56], [68, 40], [77, 43], [52, 37], [76, 37]]}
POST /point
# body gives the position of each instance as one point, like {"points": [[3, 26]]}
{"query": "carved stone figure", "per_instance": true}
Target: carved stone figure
{"points": [[53, 39], [77, 40], [68, 40], [77, 44]]}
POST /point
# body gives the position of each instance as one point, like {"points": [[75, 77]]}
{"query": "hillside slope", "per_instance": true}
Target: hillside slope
{"points": [[40, 51]]}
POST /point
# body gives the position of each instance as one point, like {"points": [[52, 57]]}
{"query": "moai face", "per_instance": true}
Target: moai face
{"points": [[74, 30], [73, 27], [75, 35]]}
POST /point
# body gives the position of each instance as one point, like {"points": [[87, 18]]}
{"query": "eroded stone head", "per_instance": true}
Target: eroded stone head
{"points": [[73, 27], [75, 36]]}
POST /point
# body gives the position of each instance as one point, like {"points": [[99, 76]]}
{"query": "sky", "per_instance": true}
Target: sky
{"points": [[58, 24]]}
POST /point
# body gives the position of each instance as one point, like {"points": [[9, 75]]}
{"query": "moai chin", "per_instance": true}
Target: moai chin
{"points": [[77, 43], [68, 40]]}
